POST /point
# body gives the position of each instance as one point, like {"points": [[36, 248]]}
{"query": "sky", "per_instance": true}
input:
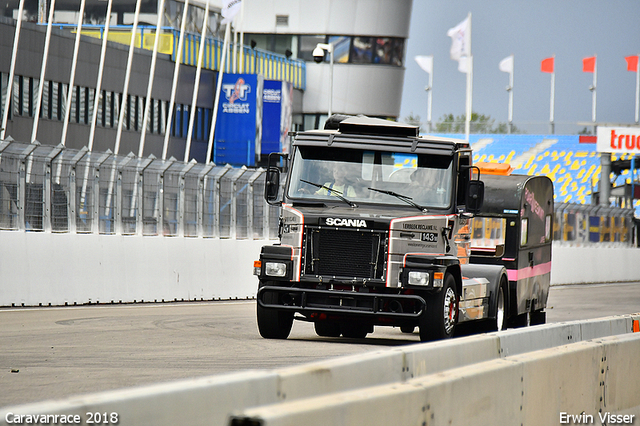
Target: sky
{"points": [[531, 30]]}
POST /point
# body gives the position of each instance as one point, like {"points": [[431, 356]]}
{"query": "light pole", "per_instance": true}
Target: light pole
{"points": [[318, 56]]}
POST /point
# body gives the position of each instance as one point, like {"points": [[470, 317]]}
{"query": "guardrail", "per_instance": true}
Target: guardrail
{"points": [[521, 376]]}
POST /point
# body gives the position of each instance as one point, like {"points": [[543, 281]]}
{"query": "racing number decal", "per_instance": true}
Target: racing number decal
{"points": [[431, 237]]}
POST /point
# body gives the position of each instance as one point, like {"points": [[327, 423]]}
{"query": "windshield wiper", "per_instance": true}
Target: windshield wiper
{"points": [[331, 191], [401, 197]]}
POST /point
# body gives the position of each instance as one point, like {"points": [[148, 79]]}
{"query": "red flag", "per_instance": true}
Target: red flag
{"points": [[589, 64], [632, 63], [547, 65]]}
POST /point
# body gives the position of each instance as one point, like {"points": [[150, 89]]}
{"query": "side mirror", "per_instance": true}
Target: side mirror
{"points": [[475, 196], [272, 177], [272, 185]]}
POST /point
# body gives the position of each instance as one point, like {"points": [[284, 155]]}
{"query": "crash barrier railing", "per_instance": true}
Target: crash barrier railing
{"points": [[520, 376], [55, 189]]}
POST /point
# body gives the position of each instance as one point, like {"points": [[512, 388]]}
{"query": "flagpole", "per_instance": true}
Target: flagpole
{"points": [[637, 89], [553, 93], [510, 118], [212, 131], [430, 100], [593, 94], [469, 108]]}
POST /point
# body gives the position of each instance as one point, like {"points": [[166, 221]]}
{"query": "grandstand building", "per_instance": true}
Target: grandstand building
{"points": [[280, 36]]}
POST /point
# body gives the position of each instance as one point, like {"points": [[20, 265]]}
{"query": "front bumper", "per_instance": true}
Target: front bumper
{"points": [[338, 302]]}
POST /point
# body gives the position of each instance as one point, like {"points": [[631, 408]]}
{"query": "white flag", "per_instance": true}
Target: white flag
{"points": [[229, 9], [506, 65], [461, 44], [425, 62]]}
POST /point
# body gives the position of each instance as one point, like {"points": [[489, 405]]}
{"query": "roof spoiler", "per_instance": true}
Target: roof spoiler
{"points": [[362, 124]]}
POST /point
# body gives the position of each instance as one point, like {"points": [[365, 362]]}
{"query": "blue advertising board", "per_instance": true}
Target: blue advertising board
{"points": [[271, 110], [277, 106], [237, 135]]}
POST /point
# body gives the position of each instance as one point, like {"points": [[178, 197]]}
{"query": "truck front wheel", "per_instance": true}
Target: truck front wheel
{"points": [[273, 324], [441, 314]]}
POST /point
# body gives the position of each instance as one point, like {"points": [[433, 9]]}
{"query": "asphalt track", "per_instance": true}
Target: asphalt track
{"points": [[51, 353]]}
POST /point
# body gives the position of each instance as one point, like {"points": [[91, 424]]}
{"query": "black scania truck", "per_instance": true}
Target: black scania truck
{"points": [[380, 226]]}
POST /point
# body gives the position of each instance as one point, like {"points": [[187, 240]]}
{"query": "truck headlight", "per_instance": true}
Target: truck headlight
{"points": [[418, 278], [275, 269]]}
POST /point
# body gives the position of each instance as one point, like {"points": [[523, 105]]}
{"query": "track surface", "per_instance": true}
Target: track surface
{"points": [[51, 353]]}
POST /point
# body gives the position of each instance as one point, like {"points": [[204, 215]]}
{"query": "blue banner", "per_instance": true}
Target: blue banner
{"points": [[277, 107], [271, 111], [237, 135]]}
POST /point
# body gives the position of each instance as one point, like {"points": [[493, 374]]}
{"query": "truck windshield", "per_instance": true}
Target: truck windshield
{"points": [[381, 177]]}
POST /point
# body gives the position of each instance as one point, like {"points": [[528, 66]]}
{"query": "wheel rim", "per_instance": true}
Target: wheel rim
{"points": [[500, 310], [450, 309]]}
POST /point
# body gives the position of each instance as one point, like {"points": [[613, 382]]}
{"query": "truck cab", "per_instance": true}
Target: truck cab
{"points": [[375, 229]]}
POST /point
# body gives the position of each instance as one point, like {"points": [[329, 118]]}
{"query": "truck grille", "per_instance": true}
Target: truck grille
{"points": [[345, 253]]}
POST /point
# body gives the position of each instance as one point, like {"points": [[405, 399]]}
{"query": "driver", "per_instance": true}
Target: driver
{"points": [[424, 185], [339, 184]]}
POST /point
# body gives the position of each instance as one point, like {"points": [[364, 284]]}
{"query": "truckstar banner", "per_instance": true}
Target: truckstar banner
{"points": [[619, 140], [238, 129]]}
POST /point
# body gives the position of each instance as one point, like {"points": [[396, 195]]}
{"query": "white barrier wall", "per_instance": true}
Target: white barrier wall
{"points": [[524, 376], [38, 268], [579, 265], [58, 269]]}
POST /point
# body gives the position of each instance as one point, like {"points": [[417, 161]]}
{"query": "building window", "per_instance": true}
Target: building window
{"points": [[341, 48], [307, 44], [361, 50]]}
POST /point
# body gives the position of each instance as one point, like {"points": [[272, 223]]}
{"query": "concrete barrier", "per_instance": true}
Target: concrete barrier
{"points": [[584, 265], [351, 380], [59, 269], [537, 388]]}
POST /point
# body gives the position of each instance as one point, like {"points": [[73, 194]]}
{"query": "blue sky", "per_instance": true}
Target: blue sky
{"points": [[531, 30]]}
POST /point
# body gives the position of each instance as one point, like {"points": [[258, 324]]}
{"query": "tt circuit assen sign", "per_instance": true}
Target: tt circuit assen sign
{"points": [[619, 140], [237, 136]]}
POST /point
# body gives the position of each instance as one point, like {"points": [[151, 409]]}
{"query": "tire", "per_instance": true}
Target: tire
{"points": [[537, 317], [273, 324], [327, 329], [440, 318], [499, 322], [355, 331]]}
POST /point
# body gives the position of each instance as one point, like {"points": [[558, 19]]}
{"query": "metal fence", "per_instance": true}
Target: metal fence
{"points": [[55, 189], [586, 224]]}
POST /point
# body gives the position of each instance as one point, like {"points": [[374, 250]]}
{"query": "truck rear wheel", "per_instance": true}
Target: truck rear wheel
{"points": [[499, 322], [441, 315], [273, 324]]}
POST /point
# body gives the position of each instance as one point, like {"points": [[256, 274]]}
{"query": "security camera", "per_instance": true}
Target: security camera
{"points": [[318, 54]]}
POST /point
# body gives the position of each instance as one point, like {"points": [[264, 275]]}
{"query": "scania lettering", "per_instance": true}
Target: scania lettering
{"points": [[380, 226], [346, 222]]}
